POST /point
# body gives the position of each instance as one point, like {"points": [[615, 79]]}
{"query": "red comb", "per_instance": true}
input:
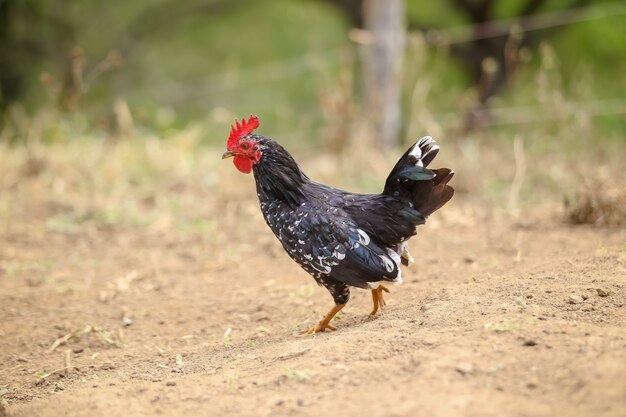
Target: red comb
{"points": [[242, 129]]}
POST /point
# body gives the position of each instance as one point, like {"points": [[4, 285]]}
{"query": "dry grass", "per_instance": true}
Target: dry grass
{"points": [[603, 204], [179, 185]]}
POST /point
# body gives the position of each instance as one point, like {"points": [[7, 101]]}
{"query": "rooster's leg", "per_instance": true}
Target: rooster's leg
{"points": [[378, 299], [325, 323]]}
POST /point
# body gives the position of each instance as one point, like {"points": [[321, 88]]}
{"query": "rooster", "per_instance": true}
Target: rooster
{"points": [[342, 239]]}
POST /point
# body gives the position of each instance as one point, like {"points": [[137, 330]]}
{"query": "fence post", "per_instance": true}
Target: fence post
{"points": [[385, 22]]}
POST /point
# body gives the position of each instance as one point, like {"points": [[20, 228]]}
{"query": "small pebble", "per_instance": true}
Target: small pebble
{"points": [[4, 408], [170, 383], [465, 368], [603, 292], [575, 299], [107, 366], [261, 316], [529, 342], [532, 384], [430, 340]]}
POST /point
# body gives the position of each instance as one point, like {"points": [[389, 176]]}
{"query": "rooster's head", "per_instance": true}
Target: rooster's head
{"points": [[244, 146]]}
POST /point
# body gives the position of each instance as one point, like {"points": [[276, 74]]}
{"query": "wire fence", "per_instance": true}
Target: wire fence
{"points": [[516, 115], [305, 65], [503, 27]]}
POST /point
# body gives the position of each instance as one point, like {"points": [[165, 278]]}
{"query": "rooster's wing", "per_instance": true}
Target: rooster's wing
{"points": [[326, 241]]}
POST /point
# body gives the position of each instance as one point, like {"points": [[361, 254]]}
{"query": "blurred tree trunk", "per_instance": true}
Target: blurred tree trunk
{"points": [[490, 55], [384, 20], [10, 80]]}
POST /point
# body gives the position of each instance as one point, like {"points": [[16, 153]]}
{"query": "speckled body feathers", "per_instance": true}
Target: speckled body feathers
{"points": [[344, 239]]}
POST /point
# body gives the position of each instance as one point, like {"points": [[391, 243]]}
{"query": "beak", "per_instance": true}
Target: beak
{"points": [[228, 154]]}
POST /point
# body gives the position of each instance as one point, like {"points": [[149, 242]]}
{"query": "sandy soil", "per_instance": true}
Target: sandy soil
{"points": [[496, 318]]}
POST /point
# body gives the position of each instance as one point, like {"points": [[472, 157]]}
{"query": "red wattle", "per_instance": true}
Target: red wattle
{"points": [[243, 164]]}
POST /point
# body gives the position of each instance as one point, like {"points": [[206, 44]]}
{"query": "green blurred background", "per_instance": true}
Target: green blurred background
{"points": [[157, 66]]}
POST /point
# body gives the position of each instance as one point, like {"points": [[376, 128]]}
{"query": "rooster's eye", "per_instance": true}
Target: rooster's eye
{"points": [[245, 146]]}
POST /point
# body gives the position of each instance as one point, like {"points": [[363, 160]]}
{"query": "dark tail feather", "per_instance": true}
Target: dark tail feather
{"points": [[439, 192], [426, 189]]}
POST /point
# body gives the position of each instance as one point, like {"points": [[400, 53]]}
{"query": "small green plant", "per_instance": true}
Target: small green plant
{"points": [[10, 269], [179, 360], [227, 339], [41, 376], [108, 337], [295, 374], [303, 291]]}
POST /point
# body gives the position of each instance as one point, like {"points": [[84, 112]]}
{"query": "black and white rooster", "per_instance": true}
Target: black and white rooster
{"points": [[342, 239]]}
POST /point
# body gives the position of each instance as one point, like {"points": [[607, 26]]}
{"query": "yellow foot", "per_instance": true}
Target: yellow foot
{"points": [[319, 327], [325, 323], [378, 299]]}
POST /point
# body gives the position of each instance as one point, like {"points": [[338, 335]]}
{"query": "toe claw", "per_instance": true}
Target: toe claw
{"points": [[325, 323], [318, 328]]}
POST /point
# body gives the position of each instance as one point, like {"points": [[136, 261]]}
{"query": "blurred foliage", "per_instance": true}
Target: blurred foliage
{"points": [[204, 62]]}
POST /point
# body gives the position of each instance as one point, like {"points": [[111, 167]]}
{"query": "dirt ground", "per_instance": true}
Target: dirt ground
{"points": [[496, 317]]}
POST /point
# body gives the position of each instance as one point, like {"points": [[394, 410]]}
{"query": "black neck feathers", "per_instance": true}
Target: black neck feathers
{"points": [[278, 175]]}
